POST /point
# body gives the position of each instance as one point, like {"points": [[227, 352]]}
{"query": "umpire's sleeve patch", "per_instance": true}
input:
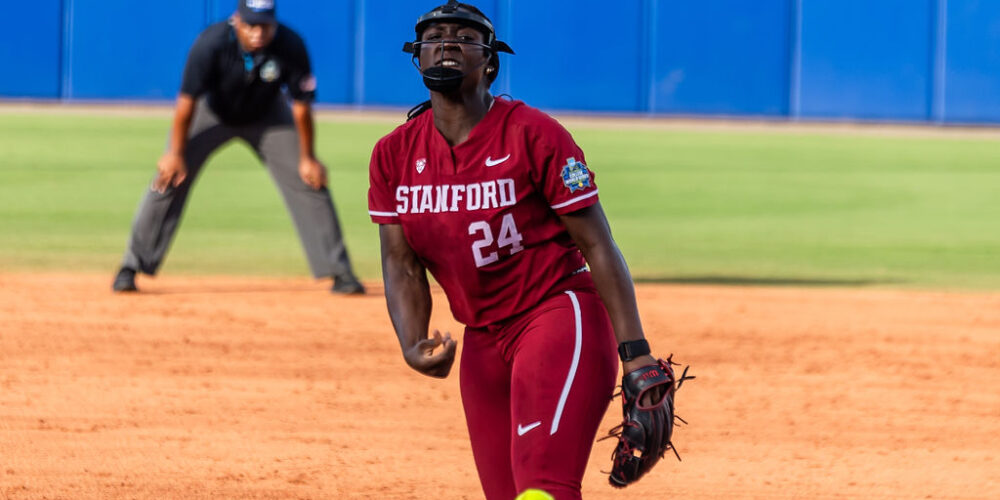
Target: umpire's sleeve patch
{"points": [[308, 84]]}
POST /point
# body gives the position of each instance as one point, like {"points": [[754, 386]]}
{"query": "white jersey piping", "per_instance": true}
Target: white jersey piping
{"points": [[574, 200]]}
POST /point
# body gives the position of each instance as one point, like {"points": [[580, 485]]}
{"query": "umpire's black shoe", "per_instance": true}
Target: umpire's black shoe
{"points": [[125, 281], [347, 285]]}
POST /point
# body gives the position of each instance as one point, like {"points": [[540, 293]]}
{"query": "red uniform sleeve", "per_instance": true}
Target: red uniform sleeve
{"points": [[562, 174], [381, 186]]}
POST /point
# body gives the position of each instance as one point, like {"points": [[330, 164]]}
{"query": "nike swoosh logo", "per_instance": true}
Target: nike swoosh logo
{"points": [[523, 429], [492, 163]]}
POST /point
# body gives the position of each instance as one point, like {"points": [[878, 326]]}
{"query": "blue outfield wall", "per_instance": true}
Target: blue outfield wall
{"points": [[329, 36], [721, 57], [585, 55], [384, 75], [866, 59], [971, 61], [31, 49], [900, 60], [127, 49]]}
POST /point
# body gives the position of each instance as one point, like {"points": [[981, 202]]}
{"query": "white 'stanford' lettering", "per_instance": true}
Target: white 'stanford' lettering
{"points": [[490, 195], [401, 197], [457, 194], [507, 191], [442, 199], [473, 197], [428, 199], [426, 203]]}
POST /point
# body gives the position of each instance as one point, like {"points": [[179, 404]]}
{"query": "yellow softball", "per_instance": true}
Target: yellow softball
{"points": [[533, 494]]}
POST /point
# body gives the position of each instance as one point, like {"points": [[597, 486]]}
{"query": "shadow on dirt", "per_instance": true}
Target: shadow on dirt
{"points": [[762, 281]]}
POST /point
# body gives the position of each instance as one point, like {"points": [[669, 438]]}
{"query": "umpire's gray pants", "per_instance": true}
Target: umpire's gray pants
{"points": [[275, 140]]}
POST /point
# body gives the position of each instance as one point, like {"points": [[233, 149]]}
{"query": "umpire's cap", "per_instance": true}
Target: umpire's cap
{"points": [[257, 11]]}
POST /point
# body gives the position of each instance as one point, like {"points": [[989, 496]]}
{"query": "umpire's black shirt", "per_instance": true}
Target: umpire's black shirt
{"points": [[240, 86]]}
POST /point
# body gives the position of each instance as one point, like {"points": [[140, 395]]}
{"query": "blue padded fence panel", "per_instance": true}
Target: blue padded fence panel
{"points": [[584, 55], [219, 10], [972, 90], [721, 56], [30, 47], [856, 59], [328, 29], [866, 59], [125, 49], [387, 77]]}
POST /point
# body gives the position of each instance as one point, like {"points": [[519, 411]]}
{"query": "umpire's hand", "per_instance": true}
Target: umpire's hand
{"points": [[171, 171], [312, 172]]}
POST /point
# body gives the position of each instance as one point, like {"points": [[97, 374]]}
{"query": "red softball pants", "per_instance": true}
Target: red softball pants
{"points": [[535, 389]]}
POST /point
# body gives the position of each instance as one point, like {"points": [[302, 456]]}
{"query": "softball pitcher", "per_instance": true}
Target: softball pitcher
{"points": [[496, 201]]}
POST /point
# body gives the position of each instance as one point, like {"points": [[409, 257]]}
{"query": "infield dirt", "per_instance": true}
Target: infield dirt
{"points": [[261, 388]]}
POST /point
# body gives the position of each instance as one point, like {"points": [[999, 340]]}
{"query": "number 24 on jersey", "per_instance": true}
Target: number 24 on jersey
{"points": [[508, 240]]}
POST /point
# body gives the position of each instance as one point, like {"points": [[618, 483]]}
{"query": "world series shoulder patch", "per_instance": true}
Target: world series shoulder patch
{"points": [[575, 175]]}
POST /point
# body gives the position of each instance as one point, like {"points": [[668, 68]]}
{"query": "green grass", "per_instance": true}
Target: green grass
{"points": [[700, 206], [785, 207]]}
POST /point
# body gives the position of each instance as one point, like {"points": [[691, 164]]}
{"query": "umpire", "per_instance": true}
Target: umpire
{"points": [[232, 88]]}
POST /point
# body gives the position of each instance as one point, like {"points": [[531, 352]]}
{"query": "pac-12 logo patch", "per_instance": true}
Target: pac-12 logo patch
{"points": [[269, 72], [421, 165], [575, 175]]}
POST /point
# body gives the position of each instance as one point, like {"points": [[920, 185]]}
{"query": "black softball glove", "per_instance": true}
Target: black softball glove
{"points": [[644, 434]]}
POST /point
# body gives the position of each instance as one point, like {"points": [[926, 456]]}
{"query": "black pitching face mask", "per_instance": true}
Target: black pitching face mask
{"points": [[440, 78], [444, 80]]}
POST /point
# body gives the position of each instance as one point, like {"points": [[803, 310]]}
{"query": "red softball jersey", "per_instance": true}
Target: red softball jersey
{"points": [[483, 216]]}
